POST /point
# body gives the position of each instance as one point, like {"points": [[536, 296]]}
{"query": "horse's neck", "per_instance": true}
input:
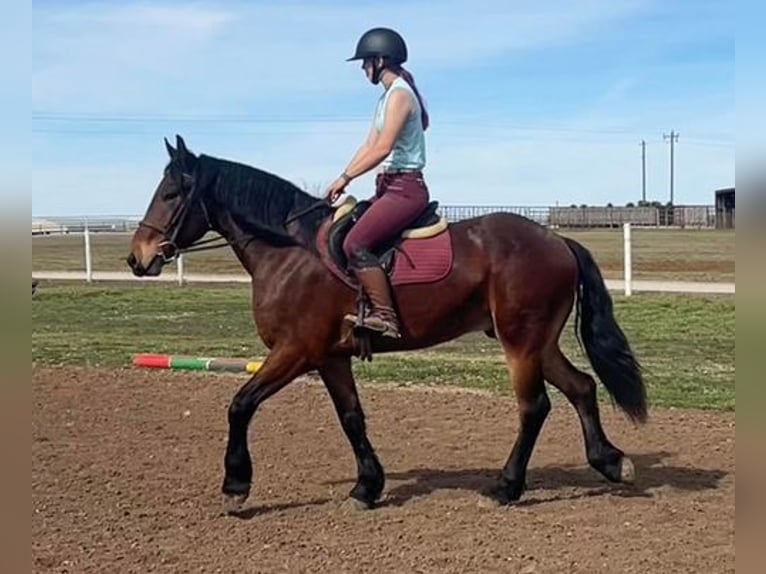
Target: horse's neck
{"points": [[267, 265], [255, 255], [226, 227], [237, 234], [256, 252], [257, 258]]}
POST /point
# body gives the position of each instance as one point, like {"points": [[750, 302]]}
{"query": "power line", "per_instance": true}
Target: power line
{"points": [[127, 119], [88, 117], [105, 124]]}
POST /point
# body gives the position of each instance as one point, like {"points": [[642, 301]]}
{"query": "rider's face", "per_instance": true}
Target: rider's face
{"points": [[367, 66]]}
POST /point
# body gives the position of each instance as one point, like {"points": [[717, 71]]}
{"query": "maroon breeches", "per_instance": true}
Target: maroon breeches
{"points": [[399, 199]]}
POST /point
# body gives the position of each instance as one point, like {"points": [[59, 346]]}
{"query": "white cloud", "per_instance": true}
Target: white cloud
{"points": [[500, 28], [105, 57], [227, 59], [171, 56]]}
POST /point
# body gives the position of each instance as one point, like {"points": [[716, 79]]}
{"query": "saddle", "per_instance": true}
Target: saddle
{"points": [[420, 254], [428, 224]]}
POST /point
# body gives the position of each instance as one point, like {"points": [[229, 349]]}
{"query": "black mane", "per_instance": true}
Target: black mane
{"points": [[261, 202]]}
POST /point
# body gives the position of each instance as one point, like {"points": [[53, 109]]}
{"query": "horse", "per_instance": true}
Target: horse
{"points": [[510, 277]]}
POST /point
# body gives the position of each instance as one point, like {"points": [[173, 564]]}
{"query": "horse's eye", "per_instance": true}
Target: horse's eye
{"points": [[172, 194]]}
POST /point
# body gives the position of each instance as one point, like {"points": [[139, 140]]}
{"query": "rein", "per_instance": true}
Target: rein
{"points": [[204, 245], [307, 210], [169, 250]]}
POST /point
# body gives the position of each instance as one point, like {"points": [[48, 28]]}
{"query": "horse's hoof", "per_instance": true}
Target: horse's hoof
{"points": [[488, 501], [627, 471], [232, 503], [503, 493], [352, 504]]}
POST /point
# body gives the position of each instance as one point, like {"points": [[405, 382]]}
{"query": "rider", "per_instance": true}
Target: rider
{"points": [[395, 142]]}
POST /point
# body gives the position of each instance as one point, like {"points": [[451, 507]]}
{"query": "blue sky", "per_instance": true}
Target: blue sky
{"points": [[532, 103]]}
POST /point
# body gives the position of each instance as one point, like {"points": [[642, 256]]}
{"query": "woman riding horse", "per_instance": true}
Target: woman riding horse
{"points": [[396, 142]]}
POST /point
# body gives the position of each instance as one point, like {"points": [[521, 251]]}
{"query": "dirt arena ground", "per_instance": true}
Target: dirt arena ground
{"points": [[127, 465]]}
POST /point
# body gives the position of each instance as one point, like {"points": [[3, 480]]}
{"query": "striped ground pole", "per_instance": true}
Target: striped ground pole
{"points": [[186, 363]]}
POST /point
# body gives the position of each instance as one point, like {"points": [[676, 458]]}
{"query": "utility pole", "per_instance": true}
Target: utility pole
{"points": [[643, 171], [673, 137]]}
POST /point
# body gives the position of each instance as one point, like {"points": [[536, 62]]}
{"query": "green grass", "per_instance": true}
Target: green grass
{"points": [[109, 250], [686, 255], [74, 325], [686, 344], [669, 254]]}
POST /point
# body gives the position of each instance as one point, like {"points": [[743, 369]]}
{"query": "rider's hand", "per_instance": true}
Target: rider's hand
{"points": [[336, 189]]}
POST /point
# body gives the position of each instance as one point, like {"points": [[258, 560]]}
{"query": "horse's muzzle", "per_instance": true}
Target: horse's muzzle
{"points": [[140, 270]]}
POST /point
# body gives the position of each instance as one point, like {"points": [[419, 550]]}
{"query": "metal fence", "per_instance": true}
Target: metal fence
{"points": [[697, 216], [459, 212], [78, 224], [694, 216]]}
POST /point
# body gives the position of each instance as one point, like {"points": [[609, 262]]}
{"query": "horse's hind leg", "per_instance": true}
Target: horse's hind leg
{"points": [[534, 406], [580, 389], [339, 380]]}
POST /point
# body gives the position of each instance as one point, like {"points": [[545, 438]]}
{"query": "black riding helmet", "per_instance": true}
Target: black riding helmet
{"points": [[381, 42]]}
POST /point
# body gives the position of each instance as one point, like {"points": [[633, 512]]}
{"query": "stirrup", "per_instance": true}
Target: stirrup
{"points": [[376, 325]]}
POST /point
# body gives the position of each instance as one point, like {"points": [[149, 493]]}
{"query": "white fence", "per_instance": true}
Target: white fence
{"points": [[628, 285]]}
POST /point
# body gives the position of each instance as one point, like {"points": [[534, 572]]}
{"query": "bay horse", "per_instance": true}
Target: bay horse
{"points": [[510, 277]]}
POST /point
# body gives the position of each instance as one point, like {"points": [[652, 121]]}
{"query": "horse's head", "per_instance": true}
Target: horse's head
{"points": [[176, 216]]}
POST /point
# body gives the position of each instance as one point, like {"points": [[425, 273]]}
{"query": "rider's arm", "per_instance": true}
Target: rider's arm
{"points": [[368, 143], [378, 146]]}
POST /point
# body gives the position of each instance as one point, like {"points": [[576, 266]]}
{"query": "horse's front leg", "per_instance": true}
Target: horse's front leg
{"points": [[279, 369], [339, 380]]}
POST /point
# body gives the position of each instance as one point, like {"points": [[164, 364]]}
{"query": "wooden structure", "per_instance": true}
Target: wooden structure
{"points": [[724, 208]]}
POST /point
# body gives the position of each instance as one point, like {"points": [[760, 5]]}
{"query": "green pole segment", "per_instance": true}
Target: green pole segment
{"points": [[189, 363]]}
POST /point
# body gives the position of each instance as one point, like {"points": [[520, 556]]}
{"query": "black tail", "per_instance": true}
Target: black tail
{"points": [[605, 343]]}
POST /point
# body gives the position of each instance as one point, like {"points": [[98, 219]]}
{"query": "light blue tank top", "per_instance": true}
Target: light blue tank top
{"points": [[409, 153]]}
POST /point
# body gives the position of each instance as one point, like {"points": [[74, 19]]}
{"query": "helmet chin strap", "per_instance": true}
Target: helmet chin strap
{"points": [[377, 70]]}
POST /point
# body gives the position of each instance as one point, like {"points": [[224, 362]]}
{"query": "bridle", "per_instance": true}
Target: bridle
{"points": [[169, 250]]}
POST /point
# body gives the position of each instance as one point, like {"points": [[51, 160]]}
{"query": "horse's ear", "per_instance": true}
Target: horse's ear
{"points": [[171, 151], [181, 145]]}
